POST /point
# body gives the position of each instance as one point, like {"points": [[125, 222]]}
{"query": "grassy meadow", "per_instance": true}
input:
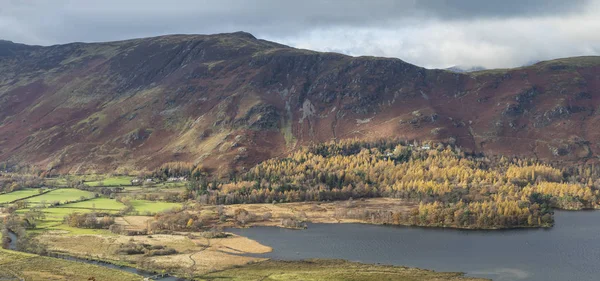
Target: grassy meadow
{"points": [[96, 203], [152, 207], [86, 202], [16, 195], [111, 181], [21, 266], [61, 195], [56, 214], [329, 270]]}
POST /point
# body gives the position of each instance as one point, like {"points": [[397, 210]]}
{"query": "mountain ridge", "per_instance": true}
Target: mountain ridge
{"points": [[228, 101]]}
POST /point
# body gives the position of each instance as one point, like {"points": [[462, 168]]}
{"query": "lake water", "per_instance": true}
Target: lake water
{"points": [[569, 251]]}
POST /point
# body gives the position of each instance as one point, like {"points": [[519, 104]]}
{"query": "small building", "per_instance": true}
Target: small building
{"points": [[176, 179]]}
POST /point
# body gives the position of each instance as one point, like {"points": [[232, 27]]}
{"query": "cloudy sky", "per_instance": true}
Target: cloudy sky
{"points": [[430, 33]]}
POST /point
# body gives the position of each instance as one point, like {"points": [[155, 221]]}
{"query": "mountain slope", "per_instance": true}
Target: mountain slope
{"points": [[229, 101]]}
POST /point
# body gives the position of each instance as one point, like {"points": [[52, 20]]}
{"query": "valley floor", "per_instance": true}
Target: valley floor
{"points": [[234, 257], [192, 254]]}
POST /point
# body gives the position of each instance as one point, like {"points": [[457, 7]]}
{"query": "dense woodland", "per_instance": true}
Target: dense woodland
{"points": [[90, 220], [13, 182], [451, 187]]}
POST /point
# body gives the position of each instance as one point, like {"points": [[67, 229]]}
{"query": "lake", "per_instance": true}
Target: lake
{"points": [[568, 251]]}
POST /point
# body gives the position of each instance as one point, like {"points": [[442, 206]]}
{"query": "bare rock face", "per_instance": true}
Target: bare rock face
{"points": [[229, 101]]}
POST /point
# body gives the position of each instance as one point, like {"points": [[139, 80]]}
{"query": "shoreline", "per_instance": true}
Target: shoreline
{"points": [[326, 212], [394, 225], [149, 273]]}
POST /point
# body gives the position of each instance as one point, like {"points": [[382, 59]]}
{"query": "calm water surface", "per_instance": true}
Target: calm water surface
{"points": [[569, 251]]}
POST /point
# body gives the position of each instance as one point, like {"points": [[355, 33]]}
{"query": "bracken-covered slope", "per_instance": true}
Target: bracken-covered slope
{"points": [[231, 100]]}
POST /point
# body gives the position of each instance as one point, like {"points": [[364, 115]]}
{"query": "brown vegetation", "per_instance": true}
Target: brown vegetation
{"points": [[89, 220], [187, 255], [452, 188], [13, 182], [231, 101]]}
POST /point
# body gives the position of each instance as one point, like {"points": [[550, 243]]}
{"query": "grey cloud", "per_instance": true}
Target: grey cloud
{"points": [[84, 20], [470, 9], [425, 32]]}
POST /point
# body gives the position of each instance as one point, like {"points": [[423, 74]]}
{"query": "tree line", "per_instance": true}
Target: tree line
{"points": [[452, 187]]}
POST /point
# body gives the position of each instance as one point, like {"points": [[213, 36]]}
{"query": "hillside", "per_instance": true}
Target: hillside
{"points": [[229, 101]]}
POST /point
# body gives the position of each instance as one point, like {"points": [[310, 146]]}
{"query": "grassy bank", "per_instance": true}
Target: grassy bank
{"points": [[61, 195], [329, 270], [97, 204], [17, 195], [21, 266], [153, 207], [111, 181]]}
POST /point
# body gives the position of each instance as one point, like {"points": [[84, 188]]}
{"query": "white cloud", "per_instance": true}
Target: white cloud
{"points": [[492, 43]]}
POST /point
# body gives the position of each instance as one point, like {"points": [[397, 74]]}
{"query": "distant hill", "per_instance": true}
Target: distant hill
{"points": [[464, 69], [228, 101]]}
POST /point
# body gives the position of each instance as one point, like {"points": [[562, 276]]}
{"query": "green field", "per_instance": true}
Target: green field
{"points": [[57, 214], [106, 204], [171, 184], [136, 188], [97, 203], [56, 182], [16, 195], [329, 270], [67, 230], [21, 266], [112, 181], [45, 225], [152, 207], [77, 231], [55, 218], [61, 195]]}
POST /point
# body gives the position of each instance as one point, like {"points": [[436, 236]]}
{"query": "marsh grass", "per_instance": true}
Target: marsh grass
{"points": [[329, 270], [37, 268]]}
